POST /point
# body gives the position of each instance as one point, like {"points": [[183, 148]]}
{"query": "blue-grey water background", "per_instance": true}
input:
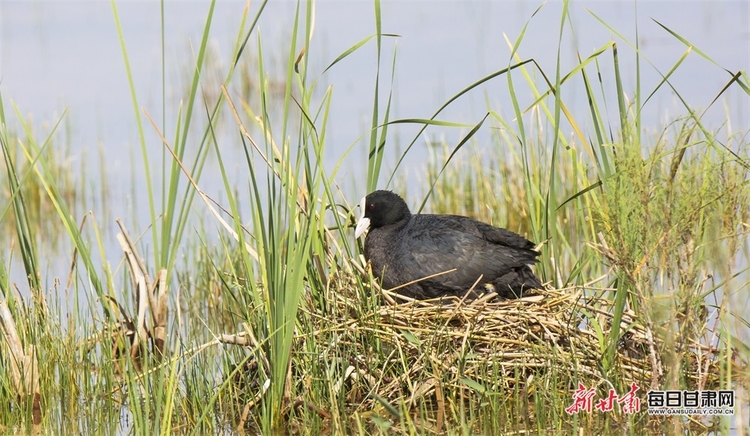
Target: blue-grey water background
{"points": [[57, 56]]}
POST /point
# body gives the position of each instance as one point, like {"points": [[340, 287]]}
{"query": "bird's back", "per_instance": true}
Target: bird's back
{"points": [[433, 244]]}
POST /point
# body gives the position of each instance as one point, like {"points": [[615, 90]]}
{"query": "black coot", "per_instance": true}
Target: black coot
{"points": [[402, 247]]}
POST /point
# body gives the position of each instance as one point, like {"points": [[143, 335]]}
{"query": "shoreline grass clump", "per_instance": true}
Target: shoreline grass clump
{"points": [[276, 326]]}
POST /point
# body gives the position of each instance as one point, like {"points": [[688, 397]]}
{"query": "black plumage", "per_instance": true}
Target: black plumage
{"points": [[402, 247]]}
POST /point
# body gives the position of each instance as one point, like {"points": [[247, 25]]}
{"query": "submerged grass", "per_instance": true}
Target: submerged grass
{"points": [[277, 327]]}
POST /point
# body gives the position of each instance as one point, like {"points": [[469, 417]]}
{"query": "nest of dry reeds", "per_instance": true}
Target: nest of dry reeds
{"points": [[554, 338]]}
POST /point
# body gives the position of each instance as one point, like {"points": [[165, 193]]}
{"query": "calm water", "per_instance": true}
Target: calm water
{"points": [[58, 55]]}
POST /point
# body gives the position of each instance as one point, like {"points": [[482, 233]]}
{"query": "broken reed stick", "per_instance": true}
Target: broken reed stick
{"points": [[139, 281], [160, 329], [150, 297], [136, 263]]}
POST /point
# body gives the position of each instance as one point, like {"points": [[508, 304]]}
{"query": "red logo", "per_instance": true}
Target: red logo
{"points": [[583, 399]]}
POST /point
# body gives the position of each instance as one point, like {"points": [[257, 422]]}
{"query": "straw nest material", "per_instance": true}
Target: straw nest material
{"points": [[556, 335]]}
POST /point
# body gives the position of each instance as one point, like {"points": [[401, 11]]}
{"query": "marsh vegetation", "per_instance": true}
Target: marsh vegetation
{"points": [[277, 326]]}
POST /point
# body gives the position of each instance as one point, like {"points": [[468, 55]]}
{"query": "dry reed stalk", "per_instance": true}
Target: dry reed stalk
{"points": [[151, 297], [24, 367]]}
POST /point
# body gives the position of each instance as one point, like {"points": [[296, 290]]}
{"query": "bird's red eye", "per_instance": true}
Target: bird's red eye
{"points": [[372, 206]]}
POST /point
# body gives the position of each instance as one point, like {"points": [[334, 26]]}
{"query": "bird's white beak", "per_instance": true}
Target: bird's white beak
{"points": [[362, 223]]}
